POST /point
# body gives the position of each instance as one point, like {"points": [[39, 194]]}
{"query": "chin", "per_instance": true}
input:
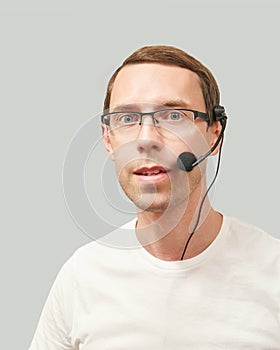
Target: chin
{"points": [[154, 201], [153, 208], [160, 205], [150, 202]]}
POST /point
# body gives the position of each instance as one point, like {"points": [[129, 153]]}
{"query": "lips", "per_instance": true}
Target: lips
{"points": [[151, 171]]}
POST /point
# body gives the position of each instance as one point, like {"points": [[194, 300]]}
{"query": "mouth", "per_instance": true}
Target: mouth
{"points": [[152, 173]]}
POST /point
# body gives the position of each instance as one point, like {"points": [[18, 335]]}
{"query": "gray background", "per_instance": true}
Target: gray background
{"points": [[56, 57]]}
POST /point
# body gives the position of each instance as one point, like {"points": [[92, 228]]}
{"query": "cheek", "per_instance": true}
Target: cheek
{"points": [[192, 139], [122, 174]]}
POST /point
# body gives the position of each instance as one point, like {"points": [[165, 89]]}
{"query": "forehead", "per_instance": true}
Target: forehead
{"points": [[155, 84]]}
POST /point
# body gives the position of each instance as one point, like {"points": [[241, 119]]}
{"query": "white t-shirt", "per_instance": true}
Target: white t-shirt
{"points": [[227, 297]]}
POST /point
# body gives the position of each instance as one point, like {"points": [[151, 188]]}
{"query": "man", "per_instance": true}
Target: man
{"points": [[199, 280]]}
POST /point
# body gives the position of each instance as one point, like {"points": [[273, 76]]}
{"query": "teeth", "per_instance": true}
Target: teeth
{"points": [[155, 172]]}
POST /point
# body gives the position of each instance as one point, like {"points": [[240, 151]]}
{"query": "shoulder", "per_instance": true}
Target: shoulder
{"points": [[119, 238], [251, 233], [116, 247], [253, 242]]}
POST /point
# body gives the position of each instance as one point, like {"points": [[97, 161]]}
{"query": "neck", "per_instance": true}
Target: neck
{"points": [[165, 234]]}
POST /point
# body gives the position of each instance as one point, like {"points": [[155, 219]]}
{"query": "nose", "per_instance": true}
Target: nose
{"points": [[149, 139]]}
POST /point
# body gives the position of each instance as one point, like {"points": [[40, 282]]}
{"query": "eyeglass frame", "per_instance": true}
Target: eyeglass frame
{"points": [[197, 114]]}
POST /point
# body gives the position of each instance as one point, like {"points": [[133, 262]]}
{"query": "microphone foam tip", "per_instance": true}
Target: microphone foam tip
{"points": [[185, 161]]}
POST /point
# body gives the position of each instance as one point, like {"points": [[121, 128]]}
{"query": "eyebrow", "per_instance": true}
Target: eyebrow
{"points": [[127, 107], [176, 103], [135, 107]]}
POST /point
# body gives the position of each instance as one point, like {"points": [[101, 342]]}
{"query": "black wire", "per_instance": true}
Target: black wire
{"points": [[203, 200]]}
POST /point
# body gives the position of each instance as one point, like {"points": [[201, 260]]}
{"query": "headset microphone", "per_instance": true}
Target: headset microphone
{"points": [[186, 161]]}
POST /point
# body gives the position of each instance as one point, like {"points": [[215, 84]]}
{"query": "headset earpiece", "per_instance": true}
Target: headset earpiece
{"points": [[219, 113]]}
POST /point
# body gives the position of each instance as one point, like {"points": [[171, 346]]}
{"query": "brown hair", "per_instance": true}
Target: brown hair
{"points": [[172, 56]]}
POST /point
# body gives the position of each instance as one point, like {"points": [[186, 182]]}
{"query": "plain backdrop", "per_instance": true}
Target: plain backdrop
{"points": [[56, 58]]}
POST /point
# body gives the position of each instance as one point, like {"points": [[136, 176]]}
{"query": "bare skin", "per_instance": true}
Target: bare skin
{"points": [[168, 202]]}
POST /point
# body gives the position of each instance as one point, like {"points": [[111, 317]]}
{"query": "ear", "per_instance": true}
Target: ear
{"points": [[107, 141], [214, 132]]}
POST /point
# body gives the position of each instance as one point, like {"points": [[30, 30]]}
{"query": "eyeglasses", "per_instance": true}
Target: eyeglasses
{"points": [[169, 119]]}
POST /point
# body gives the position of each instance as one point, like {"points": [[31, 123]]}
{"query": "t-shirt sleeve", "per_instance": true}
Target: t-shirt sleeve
{"points": [[54, 327]]}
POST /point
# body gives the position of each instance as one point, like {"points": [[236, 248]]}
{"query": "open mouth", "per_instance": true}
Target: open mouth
{"points": [[152, 171]]}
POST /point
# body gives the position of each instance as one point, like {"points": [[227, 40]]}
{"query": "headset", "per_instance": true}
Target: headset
{"points": [[186, 161]]}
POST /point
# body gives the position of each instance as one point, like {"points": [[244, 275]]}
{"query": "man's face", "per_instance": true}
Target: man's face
{"points": [[145, 158]]}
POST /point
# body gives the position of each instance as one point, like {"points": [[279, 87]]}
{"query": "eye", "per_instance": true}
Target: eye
{"points": [[128, 118], [174, 116]]}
